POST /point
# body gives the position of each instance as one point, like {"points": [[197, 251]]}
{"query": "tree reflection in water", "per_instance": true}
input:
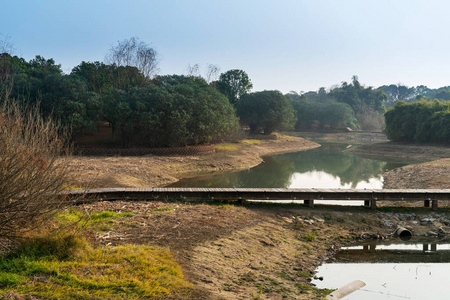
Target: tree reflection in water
{"points": [[328, 167]]}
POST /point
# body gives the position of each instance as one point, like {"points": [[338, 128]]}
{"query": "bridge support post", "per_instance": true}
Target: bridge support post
{"points": [[366, 202], [309, 203], [373, 204], [434, 205], [242, 201], [426, 203]]}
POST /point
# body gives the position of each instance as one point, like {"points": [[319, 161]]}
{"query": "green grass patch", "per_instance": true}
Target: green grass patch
{"points": [[304, 274], [68, 268], [109, 215], [310, 236], [227, 147], [103, 219], [163, 208], [251, 142]]}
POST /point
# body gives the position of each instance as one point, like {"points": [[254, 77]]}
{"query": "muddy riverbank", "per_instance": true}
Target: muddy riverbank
{"points": [[148, 171], [256, 251], [430, 171]]}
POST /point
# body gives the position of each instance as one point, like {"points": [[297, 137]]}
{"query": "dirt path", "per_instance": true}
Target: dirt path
{"points": [[148, 171]]}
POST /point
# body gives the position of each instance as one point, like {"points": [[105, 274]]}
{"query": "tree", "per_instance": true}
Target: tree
{"points": [[97, 75], [362, 100], [266, 111], [40, 67], [193, 70], [134, 53], [171, 111], [419, 122], [212, 71], [398, 92], [234, 84]]}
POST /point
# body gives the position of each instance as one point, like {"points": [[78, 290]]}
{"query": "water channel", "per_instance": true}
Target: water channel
{"points": [[392, 269], [328, 166]]}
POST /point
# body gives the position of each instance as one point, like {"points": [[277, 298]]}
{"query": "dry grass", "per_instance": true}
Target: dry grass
{"points": [[251, 142], [65, 266], [227, 147]]}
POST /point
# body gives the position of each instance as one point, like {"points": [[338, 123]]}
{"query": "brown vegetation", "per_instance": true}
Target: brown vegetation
{"points": [[32, 172]]}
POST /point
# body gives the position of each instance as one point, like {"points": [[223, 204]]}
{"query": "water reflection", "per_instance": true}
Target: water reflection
{"points": [[399, 251], [414, 269], [324, 167]]}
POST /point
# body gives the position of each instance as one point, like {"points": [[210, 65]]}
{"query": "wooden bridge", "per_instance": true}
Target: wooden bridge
{"points": [[369, 196]]}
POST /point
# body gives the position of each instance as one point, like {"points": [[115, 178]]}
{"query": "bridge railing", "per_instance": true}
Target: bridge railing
{"points": [[369, 196]]}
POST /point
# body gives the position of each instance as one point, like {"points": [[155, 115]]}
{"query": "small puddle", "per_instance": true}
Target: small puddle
{"points": [[392, 269]]}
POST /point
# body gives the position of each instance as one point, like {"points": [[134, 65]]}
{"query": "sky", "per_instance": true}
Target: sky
{"points": [[286, 45]]}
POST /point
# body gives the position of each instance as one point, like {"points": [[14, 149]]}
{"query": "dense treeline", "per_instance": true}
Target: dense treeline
{"points": [[171, 111], [162, 111], [400, 92], [349, 105], [419, 122], [266, 111], [158, 112], [177, 110]]}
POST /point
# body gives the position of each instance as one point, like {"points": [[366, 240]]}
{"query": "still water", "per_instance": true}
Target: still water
{"points": [[325, 167], [395, 269]]}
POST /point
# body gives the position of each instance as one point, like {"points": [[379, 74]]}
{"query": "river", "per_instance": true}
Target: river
{"points": [[328, 166]]}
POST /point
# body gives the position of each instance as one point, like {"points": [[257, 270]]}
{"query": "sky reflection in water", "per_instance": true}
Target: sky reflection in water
{"points": [[415, 269], [324, 167]]}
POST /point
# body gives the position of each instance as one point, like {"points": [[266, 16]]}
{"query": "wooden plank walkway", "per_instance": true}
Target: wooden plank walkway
{"points": [[370, 196]]}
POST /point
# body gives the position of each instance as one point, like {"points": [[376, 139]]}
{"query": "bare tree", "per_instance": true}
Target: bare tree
{"points": [[6, 46], [32, 170], [212, 73], [134, 53], [193, 70]]}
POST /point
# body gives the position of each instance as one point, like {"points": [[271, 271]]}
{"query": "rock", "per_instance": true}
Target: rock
{"points": [[441, 231], [387, 223], [320, 220], [406, 217], [426, 221], [309, 222], [432, 233], [444, 221]]}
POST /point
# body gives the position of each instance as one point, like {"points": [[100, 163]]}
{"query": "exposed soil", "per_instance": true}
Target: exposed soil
{"points": [[408, 152], [430, 175], [148, 171], [255, 251]]}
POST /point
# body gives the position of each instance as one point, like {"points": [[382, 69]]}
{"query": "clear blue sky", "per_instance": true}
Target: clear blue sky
{"points": [[281, 44]]}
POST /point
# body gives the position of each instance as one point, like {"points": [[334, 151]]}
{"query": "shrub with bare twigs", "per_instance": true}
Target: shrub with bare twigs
{"points": [[32, 170]]}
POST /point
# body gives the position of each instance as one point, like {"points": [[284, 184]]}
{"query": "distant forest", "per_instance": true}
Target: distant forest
{"points": [[178, 110]]}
